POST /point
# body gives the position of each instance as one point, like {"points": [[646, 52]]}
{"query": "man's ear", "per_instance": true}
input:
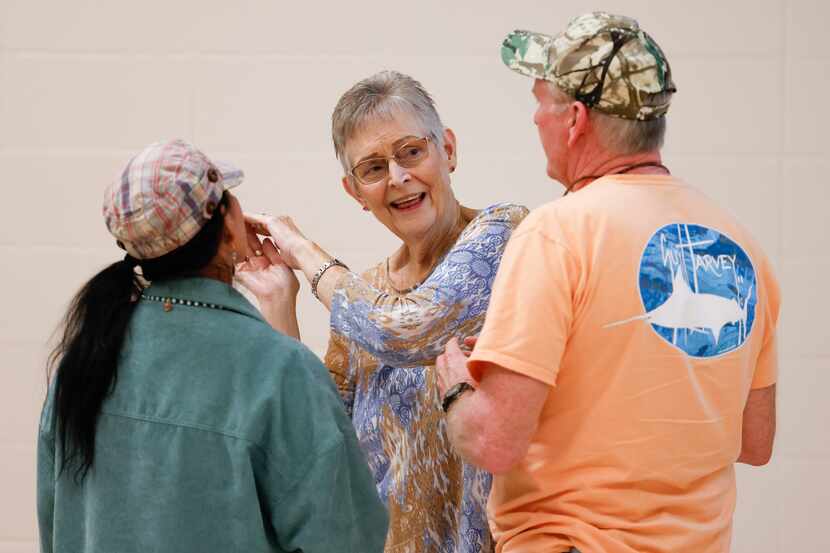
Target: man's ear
{"points": [[579, 115], [351, 190], [450, 148]]}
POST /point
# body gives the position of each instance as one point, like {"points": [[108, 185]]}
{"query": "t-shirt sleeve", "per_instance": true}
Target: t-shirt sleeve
{"points": [[766, 367], [530, 313], [337, 361]]}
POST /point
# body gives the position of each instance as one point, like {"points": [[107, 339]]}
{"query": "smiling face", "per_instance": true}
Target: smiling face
{"points": [[414, 203]]}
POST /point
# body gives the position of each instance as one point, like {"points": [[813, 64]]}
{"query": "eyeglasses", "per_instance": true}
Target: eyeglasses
{"points": [[374, 170]]}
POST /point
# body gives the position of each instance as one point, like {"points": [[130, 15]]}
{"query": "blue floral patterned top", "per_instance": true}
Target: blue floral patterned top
{"points": [[382, 354]]}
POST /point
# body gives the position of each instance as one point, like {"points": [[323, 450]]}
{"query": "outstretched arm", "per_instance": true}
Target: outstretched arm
{"points": [[407, 329]]}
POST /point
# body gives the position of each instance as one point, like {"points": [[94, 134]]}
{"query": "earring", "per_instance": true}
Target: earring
{"points": [[365, 208], [234, 257]]}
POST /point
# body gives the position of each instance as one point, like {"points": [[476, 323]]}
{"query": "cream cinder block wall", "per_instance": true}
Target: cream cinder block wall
{"points": [[84, 84]]}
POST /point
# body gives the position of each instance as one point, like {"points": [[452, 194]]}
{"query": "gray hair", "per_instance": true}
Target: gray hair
{"points": [[625, 136], [382, 96]]}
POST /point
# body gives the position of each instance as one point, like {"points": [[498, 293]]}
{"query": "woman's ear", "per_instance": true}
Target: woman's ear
{"points": [[351, 190], [450, 148]]}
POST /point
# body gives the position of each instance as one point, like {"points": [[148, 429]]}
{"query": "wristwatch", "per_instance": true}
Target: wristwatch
{"points": [[454, 393]]}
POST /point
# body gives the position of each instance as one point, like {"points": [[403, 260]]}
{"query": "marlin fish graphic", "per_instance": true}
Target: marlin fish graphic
{"points": [[685, 309]]}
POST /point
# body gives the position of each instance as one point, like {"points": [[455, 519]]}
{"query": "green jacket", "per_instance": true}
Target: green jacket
{"points": [[220, 435]]}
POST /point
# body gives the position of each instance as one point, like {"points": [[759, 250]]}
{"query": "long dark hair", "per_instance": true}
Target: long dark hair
{"points": [[94, 330]]}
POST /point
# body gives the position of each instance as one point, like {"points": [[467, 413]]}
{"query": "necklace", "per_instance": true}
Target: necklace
{"points": [[620, 172], [168, 302], [457, 233], [406, 290]]}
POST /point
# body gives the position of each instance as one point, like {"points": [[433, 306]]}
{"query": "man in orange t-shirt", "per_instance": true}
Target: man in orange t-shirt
{"points": [[628, 358]]}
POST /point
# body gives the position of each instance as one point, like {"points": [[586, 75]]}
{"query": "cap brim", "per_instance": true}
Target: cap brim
{"points": [[231, 175], [527, 53]]}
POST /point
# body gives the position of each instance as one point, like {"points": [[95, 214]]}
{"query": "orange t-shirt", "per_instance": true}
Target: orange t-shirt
{"points": [[652, 312]]}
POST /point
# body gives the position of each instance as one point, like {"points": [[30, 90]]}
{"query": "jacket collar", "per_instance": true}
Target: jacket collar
{"points": [[205, 290]]}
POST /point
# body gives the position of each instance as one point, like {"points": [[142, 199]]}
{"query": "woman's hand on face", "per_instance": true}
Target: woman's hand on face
{"points": [[283, 231], [267, 275]]}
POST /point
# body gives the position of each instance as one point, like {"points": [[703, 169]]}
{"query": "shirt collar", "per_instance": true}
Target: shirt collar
{"points": [[206, 290]]}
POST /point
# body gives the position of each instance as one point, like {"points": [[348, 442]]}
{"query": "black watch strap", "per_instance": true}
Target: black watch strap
{"points": [[454, 393]]}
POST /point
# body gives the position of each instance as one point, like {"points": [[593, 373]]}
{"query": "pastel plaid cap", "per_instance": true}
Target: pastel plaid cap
{"points": [[164, 197], [605, 61]]}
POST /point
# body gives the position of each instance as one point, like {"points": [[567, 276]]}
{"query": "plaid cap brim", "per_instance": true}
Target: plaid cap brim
{"points": [[231, 175], [527, 53]]}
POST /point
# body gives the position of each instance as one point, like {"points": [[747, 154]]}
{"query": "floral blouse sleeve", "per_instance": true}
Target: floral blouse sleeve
{"points": [[407, 330], [341, 371]]}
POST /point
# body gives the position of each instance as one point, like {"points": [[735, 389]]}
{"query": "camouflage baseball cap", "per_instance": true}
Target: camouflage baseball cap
{"points": [[605, 61]]}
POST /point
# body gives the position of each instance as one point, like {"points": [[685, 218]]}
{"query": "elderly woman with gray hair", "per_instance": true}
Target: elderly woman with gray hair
{"points": [[390, 323]]}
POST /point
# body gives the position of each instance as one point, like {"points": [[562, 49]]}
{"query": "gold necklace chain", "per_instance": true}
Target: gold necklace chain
{"points": [[406, 290]]}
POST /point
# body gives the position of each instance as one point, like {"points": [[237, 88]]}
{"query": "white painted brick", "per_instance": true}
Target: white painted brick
{"points": [[23, 391], [807, 114], [802, 408], [366, 26], [726, 106], [18, 514], [37, 284], [804, 499], [805, 196], [805, 333], [94, 102], [268, 105], [757, 512], [59, 199], [251, 26], [807, 29], [18, 546]]}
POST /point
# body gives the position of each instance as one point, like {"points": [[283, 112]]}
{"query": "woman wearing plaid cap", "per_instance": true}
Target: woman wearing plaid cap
{"points": [[389, 323], [177, 420]]}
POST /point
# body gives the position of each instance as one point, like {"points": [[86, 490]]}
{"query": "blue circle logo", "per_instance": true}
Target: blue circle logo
{"points": [[698, 289]]}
